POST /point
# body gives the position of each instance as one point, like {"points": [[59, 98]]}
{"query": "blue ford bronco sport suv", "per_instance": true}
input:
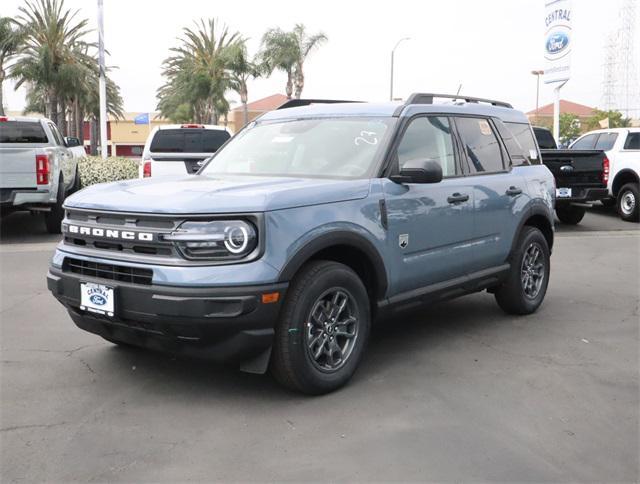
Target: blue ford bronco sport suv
{"points": [[311, 222]]}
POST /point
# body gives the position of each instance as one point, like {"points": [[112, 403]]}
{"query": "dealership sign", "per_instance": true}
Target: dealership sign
{"points": [[557, 41]]}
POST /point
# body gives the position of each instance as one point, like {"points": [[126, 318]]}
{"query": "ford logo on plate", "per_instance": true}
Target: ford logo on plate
{"points": [[557, 42], [98, 300]]}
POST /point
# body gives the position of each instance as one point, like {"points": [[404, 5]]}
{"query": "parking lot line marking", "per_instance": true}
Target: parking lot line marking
{"points": [[33, 247], [599, 234]]}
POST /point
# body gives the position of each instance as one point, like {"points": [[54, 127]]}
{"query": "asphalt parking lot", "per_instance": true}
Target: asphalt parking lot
{"points": [[457, 392]]}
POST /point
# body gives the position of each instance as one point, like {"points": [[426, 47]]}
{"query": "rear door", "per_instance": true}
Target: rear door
{"points": [[430, 226], [183, 151], [19, 141], [498, 191]]}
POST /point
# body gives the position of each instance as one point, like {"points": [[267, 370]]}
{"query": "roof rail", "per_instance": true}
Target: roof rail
{"points": [[294, 103], [427, 98]]}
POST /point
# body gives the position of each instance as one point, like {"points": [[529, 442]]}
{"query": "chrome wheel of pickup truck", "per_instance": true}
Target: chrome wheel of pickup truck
{"points": [[332, 329], [532, 271], [628, 203]]}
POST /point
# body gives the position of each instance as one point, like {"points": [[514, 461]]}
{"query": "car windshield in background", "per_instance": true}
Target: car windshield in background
{"points": [[331, 147], [188, 140], [22, 132]]}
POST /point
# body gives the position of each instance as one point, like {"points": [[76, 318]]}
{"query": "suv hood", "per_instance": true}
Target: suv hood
{"points": [[215, 194]]}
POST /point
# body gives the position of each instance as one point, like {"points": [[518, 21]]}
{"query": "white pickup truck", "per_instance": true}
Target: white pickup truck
{"points": [[622, 147], [38, 168]]}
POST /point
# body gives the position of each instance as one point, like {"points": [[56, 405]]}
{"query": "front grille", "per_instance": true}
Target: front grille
{"points": [[112, 272], [156, 225]]}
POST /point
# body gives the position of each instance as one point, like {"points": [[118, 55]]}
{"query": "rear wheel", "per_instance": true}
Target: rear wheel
{"points": [[53, 218], [570, 214], [526, 284], [629, 203], [323, 329]]}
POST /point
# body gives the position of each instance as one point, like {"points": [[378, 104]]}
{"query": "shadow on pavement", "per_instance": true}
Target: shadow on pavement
{"points": [[24, 227]]}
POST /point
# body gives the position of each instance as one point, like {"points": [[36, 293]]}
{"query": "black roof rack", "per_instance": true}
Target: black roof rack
{"points": [[427, 98], [294, 103]]}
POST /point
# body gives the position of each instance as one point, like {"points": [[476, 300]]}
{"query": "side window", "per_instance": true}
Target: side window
{"points": [[520, 143], [428, 137], [56, 134], [587, 142], [480, 144], [632, 142], [606, 141]]}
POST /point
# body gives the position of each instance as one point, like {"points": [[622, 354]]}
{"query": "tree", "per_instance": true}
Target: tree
{"points": [[288, 51], [569, 127], [11, 37], [50, 58], [242, 69], [197, 73], [60, 68], [615, 119]]}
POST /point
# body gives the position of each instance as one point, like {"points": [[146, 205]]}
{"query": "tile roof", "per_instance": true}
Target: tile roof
{"points": [[565, 107]]}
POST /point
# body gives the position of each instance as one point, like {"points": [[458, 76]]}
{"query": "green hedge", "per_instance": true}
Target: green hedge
{"points": [[94, 169]]}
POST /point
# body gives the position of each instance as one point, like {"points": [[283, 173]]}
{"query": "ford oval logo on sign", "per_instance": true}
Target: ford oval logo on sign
{"points": [[98, 300], [557, 42]]}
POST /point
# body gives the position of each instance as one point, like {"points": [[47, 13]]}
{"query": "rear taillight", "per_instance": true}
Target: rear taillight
{"points": [[605, 170], [3, 119], [146, 169], [42, 169]]}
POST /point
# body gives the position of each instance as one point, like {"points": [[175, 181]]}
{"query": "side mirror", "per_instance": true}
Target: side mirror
{"points": [[419, 171], [70, 141]]}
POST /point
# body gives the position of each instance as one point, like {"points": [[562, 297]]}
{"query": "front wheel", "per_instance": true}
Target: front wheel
{"points": [[323, 329], [526, 284], [570, 214], [628, 203]]}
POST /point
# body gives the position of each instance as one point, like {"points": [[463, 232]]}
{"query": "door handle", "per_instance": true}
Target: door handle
{"points": [[513, 191], [457, 198]]}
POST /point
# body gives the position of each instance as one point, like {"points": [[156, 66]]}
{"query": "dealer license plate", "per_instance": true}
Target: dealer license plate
{"points": [[563, 192], [97, 298]]}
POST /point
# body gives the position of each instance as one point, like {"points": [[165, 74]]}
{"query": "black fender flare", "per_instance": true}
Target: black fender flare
{"points": [[335, 238], [536, 209], [625, 172]]}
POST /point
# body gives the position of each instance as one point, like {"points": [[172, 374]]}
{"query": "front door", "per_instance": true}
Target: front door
{"points": [[430, 226]]}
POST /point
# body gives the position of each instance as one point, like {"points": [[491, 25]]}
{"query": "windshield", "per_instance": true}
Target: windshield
{"points": [[330, 147]]}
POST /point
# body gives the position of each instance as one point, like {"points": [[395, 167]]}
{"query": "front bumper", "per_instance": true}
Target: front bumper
{"points": [[225, 324], [584, 195]]}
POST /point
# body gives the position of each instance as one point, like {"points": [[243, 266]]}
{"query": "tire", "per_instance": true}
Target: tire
{"points": [[53, 218], [515, 296], [628, 203], [570, 214], [321, 287], [76, 182]]}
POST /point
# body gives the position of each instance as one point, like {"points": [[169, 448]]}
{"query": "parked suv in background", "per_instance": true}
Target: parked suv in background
{"points": [[310, 223], [622, 147], [180, 149], [37, 168]]}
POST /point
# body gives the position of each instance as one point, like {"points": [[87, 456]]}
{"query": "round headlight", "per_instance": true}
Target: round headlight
{"points": [[215, 240], [237, 239]]}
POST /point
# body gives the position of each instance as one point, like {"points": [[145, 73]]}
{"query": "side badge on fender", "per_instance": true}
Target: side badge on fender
{"points": [[403, 240]]}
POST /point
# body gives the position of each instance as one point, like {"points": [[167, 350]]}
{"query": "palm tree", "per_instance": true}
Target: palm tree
{"points": [[242, 69], [51, 58], [197, 72], [287, 51], [11, 38]]}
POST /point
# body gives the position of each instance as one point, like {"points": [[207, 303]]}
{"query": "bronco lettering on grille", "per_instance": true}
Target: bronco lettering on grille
{"points": [[109, 233]]}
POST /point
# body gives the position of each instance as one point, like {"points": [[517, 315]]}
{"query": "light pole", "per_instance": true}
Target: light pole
{"points": [[102, 83], [392, 52], [537, 73]]}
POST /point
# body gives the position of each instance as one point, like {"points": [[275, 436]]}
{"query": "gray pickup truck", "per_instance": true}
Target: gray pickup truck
{"points": [[37, 168]]}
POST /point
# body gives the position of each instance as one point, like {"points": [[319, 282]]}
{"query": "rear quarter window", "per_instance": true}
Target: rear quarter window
{"points": [[606, 141], [520, 143], [188, 140], [632, 142], [22, 132]]}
